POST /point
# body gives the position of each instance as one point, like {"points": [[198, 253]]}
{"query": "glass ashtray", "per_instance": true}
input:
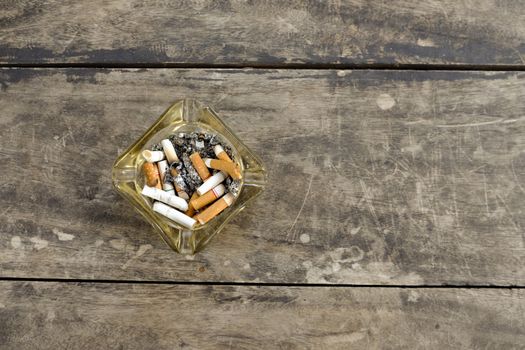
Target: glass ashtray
{"points": [[186, 116]]}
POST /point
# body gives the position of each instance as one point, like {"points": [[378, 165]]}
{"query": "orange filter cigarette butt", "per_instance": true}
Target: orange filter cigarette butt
{"points": [[230, 167], [215, 209], [180, 192], [199, 165], [152, 175], [208, 197], [191, 210], [221, 154]]}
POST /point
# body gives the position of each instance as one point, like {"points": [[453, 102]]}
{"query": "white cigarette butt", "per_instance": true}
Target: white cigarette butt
{"points": [[166, 197], [174, 215], [153, 156], [163, 168], [218, 150], [228, 198], [211, 182], [219, 190], [169, 150], [221, 154]]}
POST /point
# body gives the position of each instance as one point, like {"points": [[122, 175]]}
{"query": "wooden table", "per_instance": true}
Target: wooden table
{"points": [[394, 137]]}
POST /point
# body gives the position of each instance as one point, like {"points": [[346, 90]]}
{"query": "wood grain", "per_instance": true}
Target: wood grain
{"points": [[485, 32], [109, 316], [375, 177]]}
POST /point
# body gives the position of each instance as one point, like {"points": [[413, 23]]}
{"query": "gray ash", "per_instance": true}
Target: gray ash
{"points": [[233, 186], [187, 143], [179, 180], [190, 175]]}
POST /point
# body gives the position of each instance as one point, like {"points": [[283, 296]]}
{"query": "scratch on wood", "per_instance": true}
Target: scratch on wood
{"points": [[142, 249], [484, 173], [454, 198], [291, 232], [499, 120], [419, 197], [70, 41], [5, 210], [518, 229], [516, 176], [368, 199], [520, 56], [344, 337]]}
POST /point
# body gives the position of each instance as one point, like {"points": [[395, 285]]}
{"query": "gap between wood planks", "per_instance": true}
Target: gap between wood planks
{"points": [[294, 66], [253, 284]]}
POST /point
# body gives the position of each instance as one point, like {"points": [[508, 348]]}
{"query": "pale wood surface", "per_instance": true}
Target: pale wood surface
{"points": [[375, 177], [484, 32], [127, 316]]}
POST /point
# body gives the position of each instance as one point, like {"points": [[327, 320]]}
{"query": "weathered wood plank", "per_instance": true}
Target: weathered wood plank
{"points": [[102, 316], [487, 32], [374, 176]]}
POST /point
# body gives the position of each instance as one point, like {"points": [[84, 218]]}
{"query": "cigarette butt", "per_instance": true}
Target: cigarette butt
{"points": [[199, 165], [165, 197], [215, 209], [153, 156], [174, 215], [191, 209], [221, 154], [230, 167], [169, 151], [180, 192], [208, 197], [211, 182], [163, 168], [152, 175]]}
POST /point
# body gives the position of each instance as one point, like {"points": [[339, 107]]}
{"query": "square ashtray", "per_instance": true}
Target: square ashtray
{"points": [[166, 204]]}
